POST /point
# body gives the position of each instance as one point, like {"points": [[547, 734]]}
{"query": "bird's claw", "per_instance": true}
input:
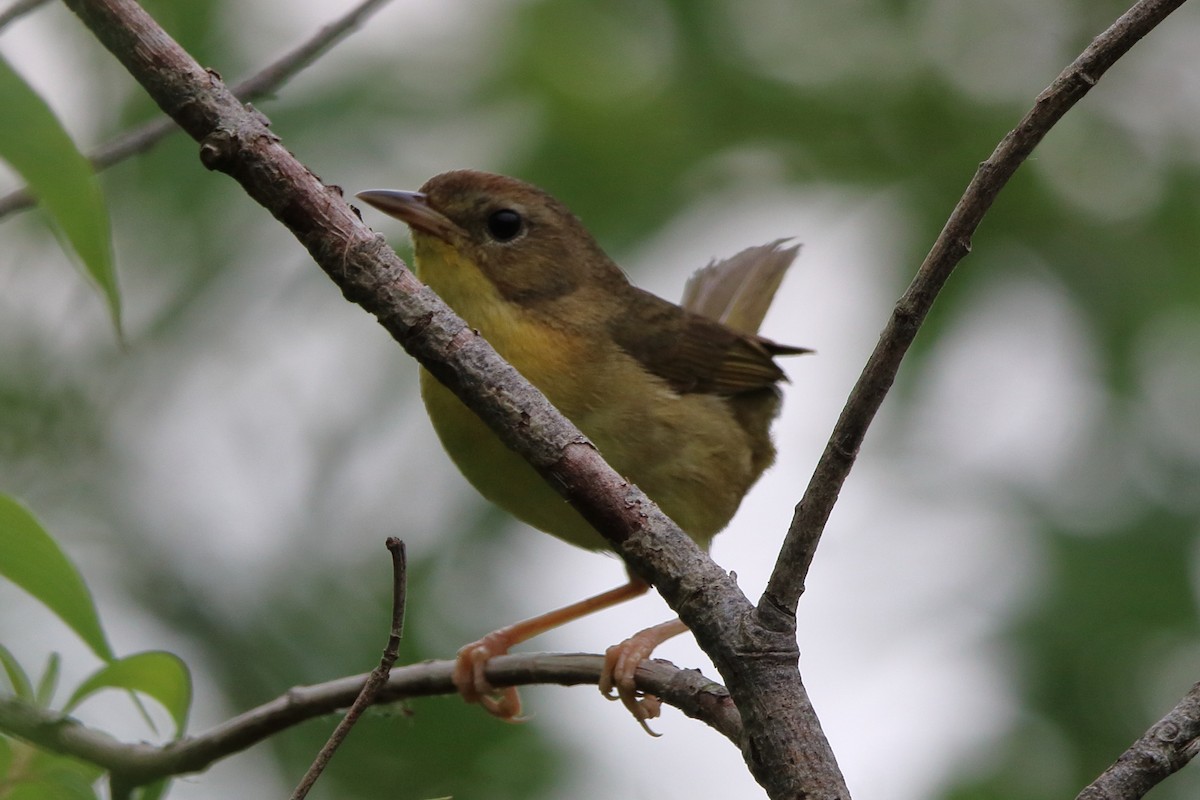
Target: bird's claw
{"points": [[474, 687], [617, 681]]}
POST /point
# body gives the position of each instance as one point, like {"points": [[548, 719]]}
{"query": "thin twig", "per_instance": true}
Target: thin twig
{"points": [[18, 10], [138, 763], [952, 245], [377, 678], [274, 75], [1165, 749], [264, 82]]}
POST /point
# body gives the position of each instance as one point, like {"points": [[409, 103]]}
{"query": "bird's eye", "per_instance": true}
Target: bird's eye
{"points": [[504, 225]]}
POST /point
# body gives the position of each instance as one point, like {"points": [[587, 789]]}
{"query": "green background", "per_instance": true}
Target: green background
{"points": [[1007, 595]]}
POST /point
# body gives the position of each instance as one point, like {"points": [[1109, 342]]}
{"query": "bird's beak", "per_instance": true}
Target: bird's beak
{"points": [[413, 208]]}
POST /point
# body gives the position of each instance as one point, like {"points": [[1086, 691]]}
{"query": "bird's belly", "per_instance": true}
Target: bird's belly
{"points": [[499, 474], [686, 453]]}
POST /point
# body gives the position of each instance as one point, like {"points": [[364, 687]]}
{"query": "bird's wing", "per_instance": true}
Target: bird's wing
{"points": [[694, 353]]}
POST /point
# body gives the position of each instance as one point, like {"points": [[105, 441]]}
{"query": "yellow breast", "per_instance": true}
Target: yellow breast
{"points": [[685, 451]]}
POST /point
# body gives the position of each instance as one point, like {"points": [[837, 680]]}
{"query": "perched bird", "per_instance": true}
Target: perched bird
{"points": [[678, 399]]}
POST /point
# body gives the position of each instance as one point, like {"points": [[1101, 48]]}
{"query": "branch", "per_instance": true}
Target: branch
{"points": [[379, 675], [138, 763], [782, 741], [1165, 749], [18, 10], [952, 245], [263, 83]]}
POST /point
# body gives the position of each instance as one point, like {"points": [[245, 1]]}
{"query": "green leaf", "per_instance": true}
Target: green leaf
{"points": [[6, 756], [30, 558], [37, 146], [17, 678], [48, 682], [67, 789], [157, 674], [155, 791], [50, 776]]}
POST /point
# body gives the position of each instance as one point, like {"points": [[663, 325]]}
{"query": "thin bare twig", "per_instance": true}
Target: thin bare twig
{"points": [[138, 763], [952, 245], [1165, 749], [264, 82], [18, 10], [377, 678]]}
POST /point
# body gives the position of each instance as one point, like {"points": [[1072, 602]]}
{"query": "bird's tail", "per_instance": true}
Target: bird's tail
{"points": [[737, 291]]}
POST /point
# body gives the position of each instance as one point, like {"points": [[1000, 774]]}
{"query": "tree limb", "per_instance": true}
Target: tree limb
{"points": [[1165, 749], [138, 763], [952, 245], [261, 84]]}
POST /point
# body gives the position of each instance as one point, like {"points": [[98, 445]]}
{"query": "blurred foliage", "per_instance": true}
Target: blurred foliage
{"points": [[62, 180], [632, 110], [31, 559]]}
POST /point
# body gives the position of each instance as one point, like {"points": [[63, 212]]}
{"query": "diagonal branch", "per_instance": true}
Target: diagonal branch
{"points": [[261, 84], [138, 763], [952, 245], [1164, 750]]}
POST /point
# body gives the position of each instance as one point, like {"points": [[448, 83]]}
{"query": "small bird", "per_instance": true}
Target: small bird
{"points": [[678, 399]]}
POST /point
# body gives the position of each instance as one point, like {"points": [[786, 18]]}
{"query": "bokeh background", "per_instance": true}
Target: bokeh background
{"points": [[1007, 593]]}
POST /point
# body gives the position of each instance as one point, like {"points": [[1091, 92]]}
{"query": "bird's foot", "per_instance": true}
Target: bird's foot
{"points": [[469, 668], [620, 665]]}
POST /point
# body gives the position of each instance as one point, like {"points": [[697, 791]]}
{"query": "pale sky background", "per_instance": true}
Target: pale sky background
{"points": [[922, 565]]}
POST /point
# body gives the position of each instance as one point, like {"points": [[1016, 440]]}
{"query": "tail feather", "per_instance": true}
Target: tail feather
{"points": [[737, 291]]}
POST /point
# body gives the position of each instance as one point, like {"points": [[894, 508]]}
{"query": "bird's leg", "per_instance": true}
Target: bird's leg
{"points": [[621, 662], [472, 659]]}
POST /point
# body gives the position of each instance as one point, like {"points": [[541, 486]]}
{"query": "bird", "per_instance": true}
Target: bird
{"points": [[679, 399]]}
